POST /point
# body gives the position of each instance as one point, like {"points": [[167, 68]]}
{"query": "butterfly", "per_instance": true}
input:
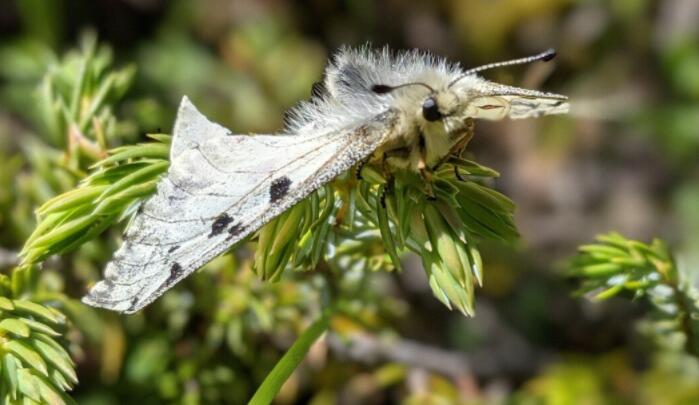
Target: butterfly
{"points": [[404, 111]]}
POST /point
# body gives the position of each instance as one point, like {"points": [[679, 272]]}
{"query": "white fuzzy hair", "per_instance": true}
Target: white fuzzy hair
{"points": [[348, 80], [349, 100]]}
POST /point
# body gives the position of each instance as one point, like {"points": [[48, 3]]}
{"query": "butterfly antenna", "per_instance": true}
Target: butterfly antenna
{"points": [[384, 88], [545, 56]]}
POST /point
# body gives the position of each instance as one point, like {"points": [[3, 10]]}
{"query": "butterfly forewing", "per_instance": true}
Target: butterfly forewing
{"points": [[218, 190]]}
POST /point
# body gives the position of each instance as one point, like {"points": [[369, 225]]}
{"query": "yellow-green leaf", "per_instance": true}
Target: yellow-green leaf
{"points": [[39, 311], [29, 357], [15, 327], [55, 358]]}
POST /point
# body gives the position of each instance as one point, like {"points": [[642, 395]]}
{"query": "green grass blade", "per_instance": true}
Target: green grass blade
{"points": [[288, 363]]}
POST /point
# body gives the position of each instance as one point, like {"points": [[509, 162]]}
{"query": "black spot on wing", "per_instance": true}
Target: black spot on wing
{"points": [[134, 301], [236, 229], [175, 273], [219, 224], [172, 249], [279, 188]]}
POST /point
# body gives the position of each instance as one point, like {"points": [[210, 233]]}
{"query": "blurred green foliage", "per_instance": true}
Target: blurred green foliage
{"points": [[625, 160], [615, 264], [35, 365]]}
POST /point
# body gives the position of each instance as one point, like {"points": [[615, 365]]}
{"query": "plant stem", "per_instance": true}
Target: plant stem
{"points": [[288, 363]]}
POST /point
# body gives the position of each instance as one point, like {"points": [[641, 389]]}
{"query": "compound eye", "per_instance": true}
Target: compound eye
{"points": [[430, 110]]}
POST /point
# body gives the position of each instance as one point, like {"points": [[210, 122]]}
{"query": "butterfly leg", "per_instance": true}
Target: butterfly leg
{"points": [[457, 174], [395, 154], [360, 166], [463, 136], [426, 174], [386, 189], [460, 137]]}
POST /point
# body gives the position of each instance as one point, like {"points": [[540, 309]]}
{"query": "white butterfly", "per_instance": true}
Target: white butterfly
{"points": [[408, 111]]}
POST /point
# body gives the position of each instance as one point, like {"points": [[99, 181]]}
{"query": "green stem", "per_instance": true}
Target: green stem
{"points": [[684, 319], [288, 363]]}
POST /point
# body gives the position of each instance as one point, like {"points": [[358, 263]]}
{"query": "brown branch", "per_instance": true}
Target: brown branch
{"points": [[516, 358], [371, 349]]}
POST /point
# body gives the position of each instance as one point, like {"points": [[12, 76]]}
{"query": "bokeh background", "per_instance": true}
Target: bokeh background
{"points": [[624, 159]]}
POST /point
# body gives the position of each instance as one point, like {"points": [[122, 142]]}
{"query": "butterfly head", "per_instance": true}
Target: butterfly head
{"points": [[443, 97]]}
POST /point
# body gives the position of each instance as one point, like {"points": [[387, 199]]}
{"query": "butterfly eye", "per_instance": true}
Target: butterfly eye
{"points": [[430, 110]]}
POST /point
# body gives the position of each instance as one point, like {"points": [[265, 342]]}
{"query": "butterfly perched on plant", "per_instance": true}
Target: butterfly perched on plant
{"points": [[395, 111]]}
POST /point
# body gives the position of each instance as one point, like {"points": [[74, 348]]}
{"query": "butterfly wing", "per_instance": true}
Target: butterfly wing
{"points": [[220, 188], [494, 101]]}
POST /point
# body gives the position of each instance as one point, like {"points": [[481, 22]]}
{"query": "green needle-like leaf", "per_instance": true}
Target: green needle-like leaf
{"points": [[387, 233], [39, 311], [27, 354], [10, 365], [614, 265], [14, 326], [55, 358]]}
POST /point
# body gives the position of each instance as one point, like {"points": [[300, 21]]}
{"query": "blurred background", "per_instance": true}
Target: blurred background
{"points": [[624, 159]]}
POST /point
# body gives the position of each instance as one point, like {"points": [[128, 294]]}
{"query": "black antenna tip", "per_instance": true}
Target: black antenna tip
{"points": [[381, 88], [548, 55]]}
